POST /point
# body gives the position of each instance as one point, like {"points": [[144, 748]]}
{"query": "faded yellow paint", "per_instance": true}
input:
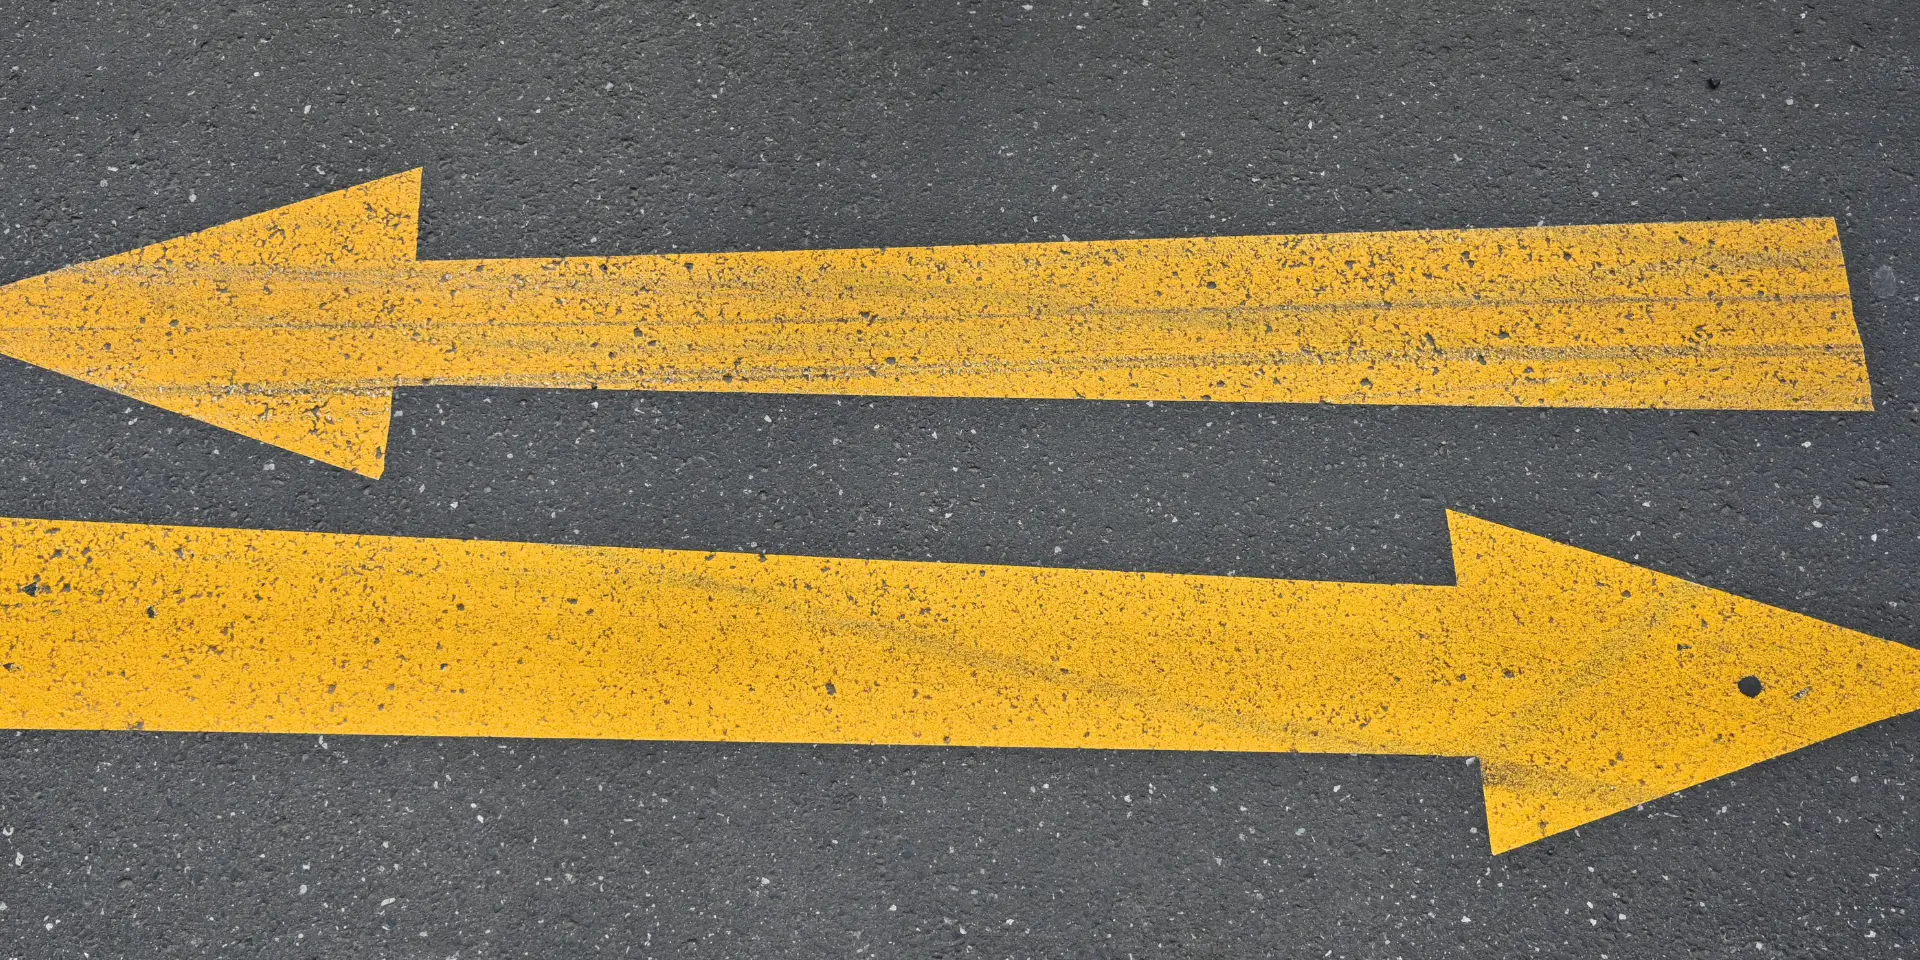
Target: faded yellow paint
{"points": [[1584, 684], [294, 326]]}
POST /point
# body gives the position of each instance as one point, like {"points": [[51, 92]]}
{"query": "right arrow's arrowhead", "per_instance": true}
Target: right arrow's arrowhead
{"points": [[1627, 685], [181, 324]]}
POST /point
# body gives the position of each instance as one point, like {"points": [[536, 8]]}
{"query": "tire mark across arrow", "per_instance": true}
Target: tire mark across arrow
{"points": [[1585, 685], [293, 327]]}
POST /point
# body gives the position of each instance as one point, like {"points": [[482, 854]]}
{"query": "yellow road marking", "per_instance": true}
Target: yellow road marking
{"points": [[293, 327], [1584, 684]]}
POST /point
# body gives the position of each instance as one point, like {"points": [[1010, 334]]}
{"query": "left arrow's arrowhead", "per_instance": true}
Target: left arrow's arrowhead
{"points": [[164, 324]]}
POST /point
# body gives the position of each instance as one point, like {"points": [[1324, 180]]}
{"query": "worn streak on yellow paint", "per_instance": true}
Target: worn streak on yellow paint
{"points": [[294, 326], [1585, 685]]}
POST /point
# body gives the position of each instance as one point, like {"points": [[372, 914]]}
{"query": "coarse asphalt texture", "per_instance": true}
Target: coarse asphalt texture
{"points": [[627, 127]]}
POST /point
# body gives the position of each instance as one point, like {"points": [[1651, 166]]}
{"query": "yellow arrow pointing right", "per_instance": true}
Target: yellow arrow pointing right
{"points": [[294, 326], [1585, 685]]}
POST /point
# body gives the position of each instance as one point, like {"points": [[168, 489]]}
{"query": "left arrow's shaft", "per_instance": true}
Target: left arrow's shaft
{"points": [[1748, 315]]}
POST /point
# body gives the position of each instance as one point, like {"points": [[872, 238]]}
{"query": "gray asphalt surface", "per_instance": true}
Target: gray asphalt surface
{"points": [[578, 128]]}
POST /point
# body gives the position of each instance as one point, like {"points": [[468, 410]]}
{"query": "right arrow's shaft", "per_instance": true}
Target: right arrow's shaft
{"points": [[257, 631]]}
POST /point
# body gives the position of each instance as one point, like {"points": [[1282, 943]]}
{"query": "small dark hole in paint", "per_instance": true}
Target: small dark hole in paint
{"points": [[1751, 686], [830, 690]]}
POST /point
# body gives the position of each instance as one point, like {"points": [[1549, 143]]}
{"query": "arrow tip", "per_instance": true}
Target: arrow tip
{"points": [[176, 324], [1626, 685], [346, 429]]}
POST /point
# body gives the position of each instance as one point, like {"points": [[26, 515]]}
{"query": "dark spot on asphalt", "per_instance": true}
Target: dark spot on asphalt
{"points": [[1751, 686]]}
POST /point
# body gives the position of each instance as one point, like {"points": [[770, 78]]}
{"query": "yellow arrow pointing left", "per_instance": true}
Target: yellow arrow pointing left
{"points": [[1585, 685], [293, 327]]}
